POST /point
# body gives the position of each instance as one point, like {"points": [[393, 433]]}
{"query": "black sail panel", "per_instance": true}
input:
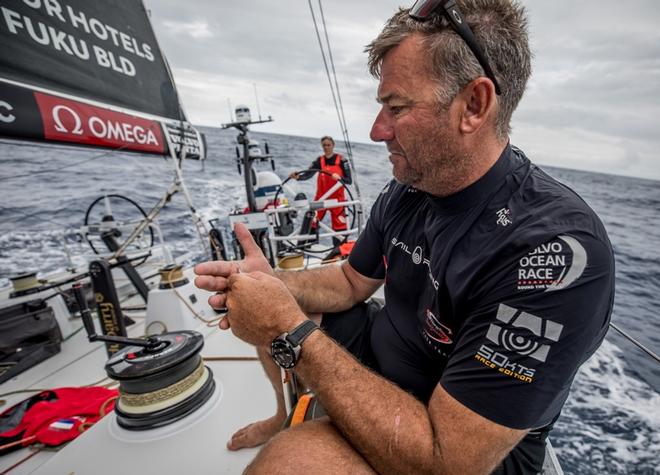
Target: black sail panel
{"points": [[92, 57]]}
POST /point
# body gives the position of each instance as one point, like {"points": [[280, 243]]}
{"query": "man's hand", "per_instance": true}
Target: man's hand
{"points": [[260, 307], [294, 175], [336, 177], [213, 275]]}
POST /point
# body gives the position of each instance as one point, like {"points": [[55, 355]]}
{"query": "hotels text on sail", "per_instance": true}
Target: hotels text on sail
{"points": [[80, 44]]}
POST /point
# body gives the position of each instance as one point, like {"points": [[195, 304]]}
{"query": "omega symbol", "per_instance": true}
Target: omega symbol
{"points": [[77, 128]]}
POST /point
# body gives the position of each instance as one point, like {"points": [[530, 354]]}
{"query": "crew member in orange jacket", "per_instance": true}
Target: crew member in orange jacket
{"points": [[336, 168]]}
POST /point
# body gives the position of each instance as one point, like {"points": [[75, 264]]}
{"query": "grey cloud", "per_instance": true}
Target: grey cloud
{"points": [[596, 66]]}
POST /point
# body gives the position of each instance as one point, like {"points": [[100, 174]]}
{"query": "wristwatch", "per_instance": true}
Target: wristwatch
{"points": [[285, 349]]}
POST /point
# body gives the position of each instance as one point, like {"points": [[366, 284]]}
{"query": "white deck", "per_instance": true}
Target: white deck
{"points": [[195, 444]]}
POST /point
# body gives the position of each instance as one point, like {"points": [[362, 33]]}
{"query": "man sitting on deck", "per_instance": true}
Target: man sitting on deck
{"points": [[499, 281]]}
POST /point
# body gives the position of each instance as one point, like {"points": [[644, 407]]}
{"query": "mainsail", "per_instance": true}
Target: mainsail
{"points": [[89, 73]]}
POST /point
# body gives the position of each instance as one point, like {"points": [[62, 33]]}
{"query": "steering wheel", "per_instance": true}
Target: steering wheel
{"points": [[119, 215]]}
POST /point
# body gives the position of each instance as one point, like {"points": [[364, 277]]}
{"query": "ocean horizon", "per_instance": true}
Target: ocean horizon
{"points": [[611, 422]]}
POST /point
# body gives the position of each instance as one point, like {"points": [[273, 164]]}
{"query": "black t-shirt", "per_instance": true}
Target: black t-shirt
{"points": [[498, 292]]}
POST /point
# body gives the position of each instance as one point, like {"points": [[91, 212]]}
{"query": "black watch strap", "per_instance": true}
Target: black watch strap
{"points": [[302, 331]]}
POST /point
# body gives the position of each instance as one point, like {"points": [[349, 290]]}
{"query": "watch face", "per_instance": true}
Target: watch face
{"points": [[283, 354]]}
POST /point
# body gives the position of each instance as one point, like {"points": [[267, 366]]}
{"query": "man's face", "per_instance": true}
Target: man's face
{"points": [[328, 147], [411, 122]]}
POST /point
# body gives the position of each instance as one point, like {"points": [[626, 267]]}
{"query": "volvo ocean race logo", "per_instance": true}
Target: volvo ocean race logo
{"points": [[552, 266]]}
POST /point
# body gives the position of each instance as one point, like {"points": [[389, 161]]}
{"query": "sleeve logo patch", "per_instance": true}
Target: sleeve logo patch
{"points": [[521, 333], [552, 266]]}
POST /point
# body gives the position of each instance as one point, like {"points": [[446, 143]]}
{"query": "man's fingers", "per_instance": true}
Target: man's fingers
{"points": [[246, 240], [224, 323], [213, 284], [218, 301], [219, 268]]}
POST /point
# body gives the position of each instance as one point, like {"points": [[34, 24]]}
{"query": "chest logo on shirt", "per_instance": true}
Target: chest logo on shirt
{"points": [[417, 258], [503, 217], [436, 331], [552, 266]]}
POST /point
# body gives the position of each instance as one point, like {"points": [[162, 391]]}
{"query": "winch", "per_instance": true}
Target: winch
{"points": [[161, 378]]}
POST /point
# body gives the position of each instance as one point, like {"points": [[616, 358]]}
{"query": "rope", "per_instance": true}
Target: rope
{"points": [[325, 64], [336, 98], [334, 74], [209, 323], [24, 459], [230, 358], [167, 393], [636, 343], [63, 167], [35, 214]]}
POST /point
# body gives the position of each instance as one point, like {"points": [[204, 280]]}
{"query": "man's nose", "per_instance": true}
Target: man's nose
{"points": [[381, 130]]}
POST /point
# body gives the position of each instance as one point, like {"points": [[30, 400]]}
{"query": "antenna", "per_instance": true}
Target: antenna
{"points": [[257, 98], [231, 114]]}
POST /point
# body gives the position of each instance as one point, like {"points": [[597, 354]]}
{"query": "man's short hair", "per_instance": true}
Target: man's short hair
{"points": [[500, 27], [327, 137]]}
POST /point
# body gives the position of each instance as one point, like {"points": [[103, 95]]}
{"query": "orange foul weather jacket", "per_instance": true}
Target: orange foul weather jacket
{"points": [[324, 182]]}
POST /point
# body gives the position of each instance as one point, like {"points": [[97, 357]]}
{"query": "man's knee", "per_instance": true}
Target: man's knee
{"points": [[312, 447]]}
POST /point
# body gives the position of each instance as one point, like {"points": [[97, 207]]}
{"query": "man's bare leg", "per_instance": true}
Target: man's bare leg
{"points": [[313, 447], [260, 432]]}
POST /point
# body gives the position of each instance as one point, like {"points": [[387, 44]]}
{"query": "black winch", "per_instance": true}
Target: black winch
{"points": [[162, 383], [161, 378]]}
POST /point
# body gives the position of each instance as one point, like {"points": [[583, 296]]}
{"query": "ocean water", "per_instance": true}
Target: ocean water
{"points": [[611, 422]]}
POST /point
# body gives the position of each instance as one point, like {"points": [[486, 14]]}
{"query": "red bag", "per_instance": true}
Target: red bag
{"points": [[54, 417]]}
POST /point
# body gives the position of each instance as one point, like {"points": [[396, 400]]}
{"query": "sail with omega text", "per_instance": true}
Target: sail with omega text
{"points": [[88, 73]]}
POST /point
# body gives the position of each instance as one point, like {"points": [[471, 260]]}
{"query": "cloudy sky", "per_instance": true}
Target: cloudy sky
{"points": [[593, 101]]}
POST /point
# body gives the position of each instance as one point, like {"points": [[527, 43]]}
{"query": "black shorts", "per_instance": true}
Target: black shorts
{"points": [[352, 330]]}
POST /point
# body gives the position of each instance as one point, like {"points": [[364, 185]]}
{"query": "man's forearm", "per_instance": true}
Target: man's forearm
{"points": [[389, 427], [325, 289]]}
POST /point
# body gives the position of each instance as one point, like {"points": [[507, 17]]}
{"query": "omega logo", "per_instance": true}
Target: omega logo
{"points": [[77, 129], [103, 128], [8, 119]]}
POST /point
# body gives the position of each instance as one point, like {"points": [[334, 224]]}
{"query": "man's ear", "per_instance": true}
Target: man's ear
{"points": [[480, 103]]}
